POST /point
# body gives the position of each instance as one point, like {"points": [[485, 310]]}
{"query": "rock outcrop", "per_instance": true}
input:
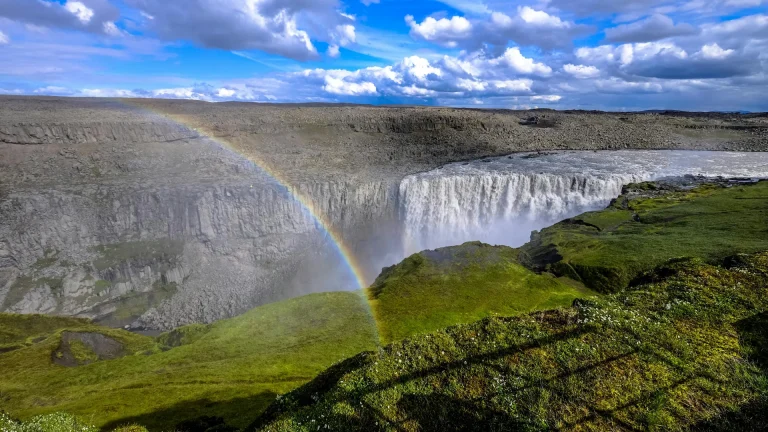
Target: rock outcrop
{"points": [[153, 213]]}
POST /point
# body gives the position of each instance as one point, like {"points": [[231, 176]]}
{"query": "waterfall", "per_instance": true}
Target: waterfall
{"points": [[501, 200], [497, 208]]}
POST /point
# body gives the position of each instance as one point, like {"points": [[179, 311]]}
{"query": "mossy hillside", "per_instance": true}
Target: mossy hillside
{"points": [[607, 249], [233, 368], [435, 289], [154, 251], [18, 331], [670, 354]]}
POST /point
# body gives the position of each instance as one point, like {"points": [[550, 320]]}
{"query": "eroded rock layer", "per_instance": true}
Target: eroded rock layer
{"points": [[161, 213]]}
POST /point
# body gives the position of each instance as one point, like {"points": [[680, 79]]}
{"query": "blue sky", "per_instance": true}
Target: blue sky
{"points": [[589, 54]]}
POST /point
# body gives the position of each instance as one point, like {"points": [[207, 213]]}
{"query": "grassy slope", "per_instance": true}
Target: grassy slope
{"points": [[607, 249], [462, 284], [235, 368], [232, 368], [666, 355]]}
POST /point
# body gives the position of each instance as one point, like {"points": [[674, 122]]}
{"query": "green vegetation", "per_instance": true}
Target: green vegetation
{"points": [[57, 422], [683, 346], [165, 250], [18, 331], [25, 284], [671, 354], [233, 368], [436, 289], [131, 306], [606, 250]]}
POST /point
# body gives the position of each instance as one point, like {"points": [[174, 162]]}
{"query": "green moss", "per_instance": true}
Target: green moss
{"points": [[83, 353], [233, 370], [435, 289], [608, 249], [56, 422], [184, 335], [24, 284], [45, 262], [102, 285], [143, 251], [666, 355], [130, 307]]}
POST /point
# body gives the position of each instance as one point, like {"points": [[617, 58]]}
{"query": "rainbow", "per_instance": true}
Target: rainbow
{"points": [[320, 219]]}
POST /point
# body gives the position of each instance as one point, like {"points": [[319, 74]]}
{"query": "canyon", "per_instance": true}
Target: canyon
{"points": [[155, 214]]}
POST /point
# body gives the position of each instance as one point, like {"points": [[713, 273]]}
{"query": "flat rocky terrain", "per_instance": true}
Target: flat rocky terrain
{"points": [[61, 140], [159, 213]]}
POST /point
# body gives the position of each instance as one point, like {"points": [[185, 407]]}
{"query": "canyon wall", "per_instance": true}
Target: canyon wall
{"points": [[154, 214]]}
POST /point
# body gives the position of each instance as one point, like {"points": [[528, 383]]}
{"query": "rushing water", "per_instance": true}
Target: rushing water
{"points": [[501, 200]]}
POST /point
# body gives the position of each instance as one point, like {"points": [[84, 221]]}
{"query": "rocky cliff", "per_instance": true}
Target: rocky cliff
{"points": [[161, 213]]}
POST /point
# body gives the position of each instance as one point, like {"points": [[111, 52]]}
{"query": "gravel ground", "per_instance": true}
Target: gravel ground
{"points": [[68, 140]]}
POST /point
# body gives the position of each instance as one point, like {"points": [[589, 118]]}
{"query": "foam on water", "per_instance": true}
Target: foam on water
{"points": [[501, 200]]}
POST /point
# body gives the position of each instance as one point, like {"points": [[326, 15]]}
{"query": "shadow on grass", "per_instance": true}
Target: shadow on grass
{"points": [[198, 415], [753, 335], [441, 412]]}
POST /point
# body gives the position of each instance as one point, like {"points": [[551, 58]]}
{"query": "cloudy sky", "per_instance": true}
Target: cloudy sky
{"points": [[701, 55]]}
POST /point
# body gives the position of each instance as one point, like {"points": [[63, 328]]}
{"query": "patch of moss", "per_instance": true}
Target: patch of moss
{"points": [[45, 262], [462, 284], [25, 284], [102, 285], [606, 250], [141, 251], [234, 370], [665, 355], [183, 335], [83, 353]]}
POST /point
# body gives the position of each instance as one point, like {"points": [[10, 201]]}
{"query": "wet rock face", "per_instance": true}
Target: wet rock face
{"points": [[82, 348], [165, 257], [156, 214]]}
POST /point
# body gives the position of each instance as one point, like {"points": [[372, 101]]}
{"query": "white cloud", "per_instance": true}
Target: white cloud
{"points": [[546, 98], [84, 15], [283, 27], [714, 51], [53, 90], [529, 27], [4, 39], [582, 71], [333, 51], [225, 93], [513, 59], [341, 87], [653, 28], [81, 11], [443, 31], [513, 86], [541, 18]]}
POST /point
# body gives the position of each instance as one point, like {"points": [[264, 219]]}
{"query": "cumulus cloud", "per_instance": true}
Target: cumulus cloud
{"points": [[284, 27], [528, 27], [581, 71], [666, 60], [653, 28], [546, 98], [470, 75], [630, 10], [514, 60], [94, 16], [447, 32]]}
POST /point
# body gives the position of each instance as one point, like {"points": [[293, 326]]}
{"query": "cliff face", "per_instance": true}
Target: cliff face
{"points": [[162, 213], [190, 253]]}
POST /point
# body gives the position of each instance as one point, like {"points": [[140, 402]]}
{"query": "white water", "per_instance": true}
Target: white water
{"points": [[501, 200]]}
